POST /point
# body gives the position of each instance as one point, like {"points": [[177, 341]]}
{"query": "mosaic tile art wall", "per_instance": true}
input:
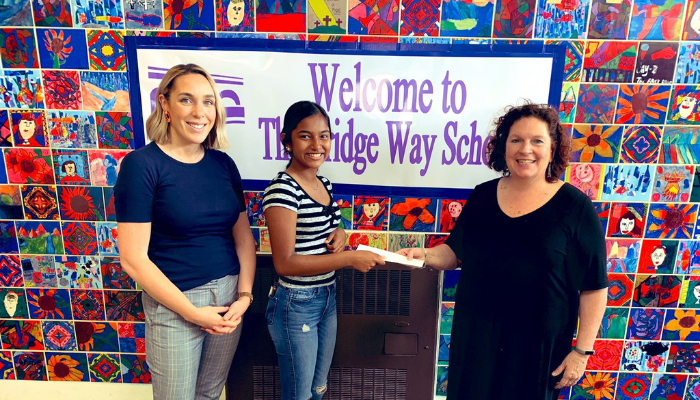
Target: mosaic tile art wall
{"points": [[630, 97]]}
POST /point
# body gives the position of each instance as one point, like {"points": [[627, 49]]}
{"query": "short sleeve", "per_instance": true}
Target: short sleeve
{"points": [[280, 193], [587, 260], [237, 184], [135, 188], [456, 239]]}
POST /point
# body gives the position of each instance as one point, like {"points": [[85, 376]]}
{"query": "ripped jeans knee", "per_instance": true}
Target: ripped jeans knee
{"points": [[321, 389]]}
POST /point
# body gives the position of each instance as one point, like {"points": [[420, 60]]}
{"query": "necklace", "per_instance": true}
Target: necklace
{"points": [[169, 151], [307, 182]]}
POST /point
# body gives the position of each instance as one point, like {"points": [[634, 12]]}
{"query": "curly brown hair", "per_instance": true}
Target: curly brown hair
{"points": [[561, 143]]}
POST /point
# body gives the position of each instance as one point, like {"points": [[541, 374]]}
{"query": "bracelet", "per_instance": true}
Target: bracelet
{"points": [[246, 294], [425, 257], [584, 352]]}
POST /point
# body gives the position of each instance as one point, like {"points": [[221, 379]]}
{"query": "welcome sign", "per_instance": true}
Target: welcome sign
{"points": [[400, 120]]}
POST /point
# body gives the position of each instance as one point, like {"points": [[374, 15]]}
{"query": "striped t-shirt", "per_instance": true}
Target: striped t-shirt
{"points": [[315, 222]]}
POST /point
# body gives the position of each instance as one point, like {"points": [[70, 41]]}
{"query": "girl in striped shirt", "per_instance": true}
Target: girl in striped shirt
{"points": [[307, 247]]}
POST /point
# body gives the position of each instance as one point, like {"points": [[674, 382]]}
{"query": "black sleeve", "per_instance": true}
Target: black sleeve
{"points": [[456, 239], [135, 189], [237, 183], [587, 257]]}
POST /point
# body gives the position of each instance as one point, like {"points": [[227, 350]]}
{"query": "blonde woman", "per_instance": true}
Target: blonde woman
{"points": [[185, 238]]}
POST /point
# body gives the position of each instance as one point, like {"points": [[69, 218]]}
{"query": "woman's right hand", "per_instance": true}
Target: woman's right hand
{"points": [[363, 260], [413, 253], [211, 319]]}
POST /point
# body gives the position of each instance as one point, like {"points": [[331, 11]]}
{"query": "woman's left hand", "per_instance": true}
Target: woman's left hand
{"points": [[335, 243], [572, 367], [235, 313]]}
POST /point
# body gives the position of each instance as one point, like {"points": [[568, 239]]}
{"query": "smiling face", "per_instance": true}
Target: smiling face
{"points": [[234, 12], [626, 225], [584, 173], [192, 107], [528, 149], [370, 210], [311, 142], [687, 106]]}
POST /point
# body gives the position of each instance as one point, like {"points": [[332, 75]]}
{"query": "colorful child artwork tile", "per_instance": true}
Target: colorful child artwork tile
{"points": [[146, 14], [447, 311], [28, 128], [39, 202], [657, 256], [398, 241], [595, 143], [81, 203], [412, 214], [7, 370], [365, 17], [573, 63], [467, 18], [5, 129], [8, 238], [627, 183], [124, 305], [444, 350], [62, 90], [682, 325], [620, 289], [14, 303], [29, 366], [645, 356], [27, 166], [254, 209], [104, 367], [79, 272], [449, 285], [434, 240], [371, 213], [110, 208], [514, 19], [135, 369], [419, 17], [97, 336], [21, 89], [603, 211], [614, 323], [97, 14], [654, 20], [71, 167], [567, 104], [52, 13], [344, 203], [10, 271], [672, 221], [673, 183], [441, 382], [641, 144], [609, 61], [105, 91], [328, 16], [113, 275], [561, 20], [115, 130], [264, 240], [688, 258], [67, 367], [656, 62], [132, 337], [691, 28], [106, 50], [657, 291], [622, 255], [690, 292], [10, 202], [81, 238], [633, 386], [684, 107], [596, 104], [62, 48], [645, 324], [104, 166], [669, 385], [108, 243], [39, 237], [607, 355], [609, 19], [49, 303], [450, 210], [692, 391], [72, 129], [21, 335], [39, 271], [377, 240], [627, 220], [683, 357], [642, 104], [88, 305], [18, 48], [587, 178], [239, 15], [59, 335], [199, 16], [688, 65]]}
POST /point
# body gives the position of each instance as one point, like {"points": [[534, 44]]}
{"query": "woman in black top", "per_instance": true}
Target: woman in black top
{"points": [[532, 253]]}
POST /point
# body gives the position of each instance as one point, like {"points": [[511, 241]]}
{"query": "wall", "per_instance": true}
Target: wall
{"points": [[630, 94]]}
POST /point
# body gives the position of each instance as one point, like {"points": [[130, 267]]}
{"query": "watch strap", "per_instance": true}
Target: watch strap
{"points": [[246, 294], [584, 352]]}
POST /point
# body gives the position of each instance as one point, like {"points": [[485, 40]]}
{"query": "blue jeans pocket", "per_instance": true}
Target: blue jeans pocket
{"points": [[303, 295], [270, 312]]}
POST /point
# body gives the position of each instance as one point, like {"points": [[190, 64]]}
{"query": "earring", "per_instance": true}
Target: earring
{"points": [[549, 170], [288, 149], [167, 116]]}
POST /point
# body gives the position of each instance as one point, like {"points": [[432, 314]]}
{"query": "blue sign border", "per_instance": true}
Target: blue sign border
{"points": [[531, 50]]}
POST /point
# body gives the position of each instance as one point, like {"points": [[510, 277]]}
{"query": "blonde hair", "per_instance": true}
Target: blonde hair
{"points": [[157, 126]]}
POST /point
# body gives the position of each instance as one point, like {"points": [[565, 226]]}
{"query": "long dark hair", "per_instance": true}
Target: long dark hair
{"points": [[296, 113]]}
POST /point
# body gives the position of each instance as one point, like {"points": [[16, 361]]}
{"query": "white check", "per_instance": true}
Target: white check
{"points": [[393, 258]]}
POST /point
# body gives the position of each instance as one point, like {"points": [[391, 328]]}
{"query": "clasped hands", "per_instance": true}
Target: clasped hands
{"points": [[221, 320]]}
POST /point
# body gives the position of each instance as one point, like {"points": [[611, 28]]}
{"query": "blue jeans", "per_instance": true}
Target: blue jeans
{"points": [[303, 324]]}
